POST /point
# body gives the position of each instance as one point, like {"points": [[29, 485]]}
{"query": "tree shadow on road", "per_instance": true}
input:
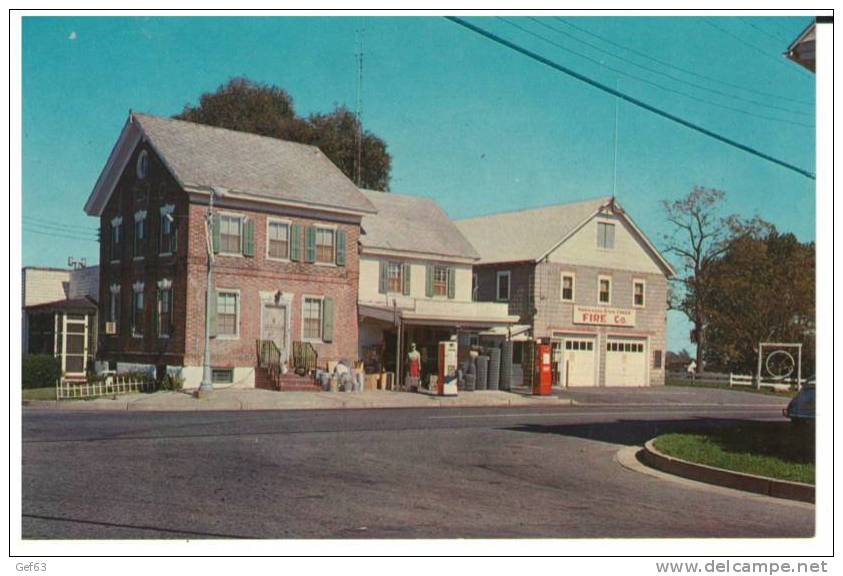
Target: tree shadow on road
{"points": [[629, 432]]}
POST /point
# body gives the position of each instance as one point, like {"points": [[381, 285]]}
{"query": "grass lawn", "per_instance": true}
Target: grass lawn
{"points": [[725, 386], [775, 449], [48, 393]]}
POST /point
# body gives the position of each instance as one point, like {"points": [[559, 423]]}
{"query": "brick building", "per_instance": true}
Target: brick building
{"points": [[285, 223], [584, 277]]}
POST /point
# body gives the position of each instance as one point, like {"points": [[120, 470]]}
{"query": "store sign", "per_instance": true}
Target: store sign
{"points": [[600, 316]]}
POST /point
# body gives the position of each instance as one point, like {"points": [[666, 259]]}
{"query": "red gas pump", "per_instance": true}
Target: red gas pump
{"points": [[544, 374]]}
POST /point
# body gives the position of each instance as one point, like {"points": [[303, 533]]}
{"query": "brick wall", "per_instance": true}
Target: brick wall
{"points": [[253, 275], [187, 270], [132, 194]]}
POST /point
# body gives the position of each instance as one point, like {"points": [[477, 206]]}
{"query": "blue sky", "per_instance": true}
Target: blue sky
{"points": [[477, 127]]}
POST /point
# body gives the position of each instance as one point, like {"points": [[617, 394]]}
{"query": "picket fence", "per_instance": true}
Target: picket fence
{"points": [[110, 386]]}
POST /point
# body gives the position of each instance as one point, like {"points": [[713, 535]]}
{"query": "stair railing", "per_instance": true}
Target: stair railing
{"points": [[269, 358], [305, 357]]}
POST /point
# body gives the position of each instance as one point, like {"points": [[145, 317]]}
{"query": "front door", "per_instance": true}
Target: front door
{"points": [[274, 326]]}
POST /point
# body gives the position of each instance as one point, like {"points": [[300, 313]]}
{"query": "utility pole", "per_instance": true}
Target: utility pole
{"points": [[207, 386], [358, 168]]}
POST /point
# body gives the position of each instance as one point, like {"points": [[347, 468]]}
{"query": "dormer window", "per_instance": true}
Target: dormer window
{"points": [[142, 167]]}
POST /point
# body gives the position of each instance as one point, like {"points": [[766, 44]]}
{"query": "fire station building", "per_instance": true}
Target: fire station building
{"points": [[585, 279]]}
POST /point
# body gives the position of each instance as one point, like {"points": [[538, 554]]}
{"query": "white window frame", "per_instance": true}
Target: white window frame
{"points": [[114, 306], [321, 299], [447, 269], [475, 286], [242, 219], [163, 284], [140, 218], [289, 224], [400, 265], [643, 292], [600, 278], [500, 274], [137, 288], [614, 235], [573, 278], [116, 225], [165, 211], [237, 317], [333, 231]]}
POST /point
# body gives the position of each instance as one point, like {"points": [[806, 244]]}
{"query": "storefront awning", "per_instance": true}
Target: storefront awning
{"points": [[475, 315]]}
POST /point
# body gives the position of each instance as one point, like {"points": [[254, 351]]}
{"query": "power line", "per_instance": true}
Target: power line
{"points": [[767, 33], [57, 225], [774, 58], [630, 99], [670, 76], [681, 69], [59, 235], [654, 84]]}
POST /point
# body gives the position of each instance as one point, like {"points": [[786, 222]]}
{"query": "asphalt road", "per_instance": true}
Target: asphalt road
{"points": [[406, 473]]}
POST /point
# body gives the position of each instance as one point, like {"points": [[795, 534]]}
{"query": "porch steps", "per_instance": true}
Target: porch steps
{"points": [[289, 382]]}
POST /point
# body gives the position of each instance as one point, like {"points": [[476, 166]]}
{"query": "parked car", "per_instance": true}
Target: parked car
{"points": [[802, 408]]}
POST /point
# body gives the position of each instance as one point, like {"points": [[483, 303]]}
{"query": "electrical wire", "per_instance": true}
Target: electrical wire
{"points": [[772, 57], [55, 225], [681, 69], [60, 235], [654, 84], [670, 76], [636, 102], [763, 31]]}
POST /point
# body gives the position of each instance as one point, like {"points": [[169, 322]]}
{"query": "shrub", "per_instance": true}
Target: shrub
{"points": [[174, 382], [40, 370]]}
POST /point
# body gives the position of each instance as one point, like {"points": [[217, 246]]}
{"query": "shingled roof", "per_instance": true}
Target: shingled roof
{"points": [[526, 235], [203, 157], [412, 224]]}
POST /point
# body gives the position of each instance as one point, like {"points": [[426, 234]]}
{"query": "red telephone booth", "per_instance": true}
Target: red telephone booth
{"points": [[544, 374]]}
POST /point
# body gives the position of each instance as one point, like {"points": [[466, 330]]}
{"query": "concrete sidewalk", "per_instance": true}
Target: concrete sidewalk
{"points": [[254, 399]]}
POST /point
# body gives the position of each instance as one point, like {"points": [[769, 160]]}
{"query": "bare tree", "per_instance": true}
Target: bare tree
{"points": [[699, 237]]}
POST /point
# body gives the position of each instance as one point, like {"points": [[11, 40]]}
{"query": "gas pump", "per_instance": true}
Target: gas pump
{"points": [[447, 381], [543, 380]]}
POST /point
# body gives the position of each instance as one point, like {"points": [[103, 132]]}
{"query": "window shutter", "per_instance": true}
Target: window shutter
{"points": [[295, 242], [405, 278], [328, 320], [340, 248], [428, 281], [249, 237], [212, 313], [215, 223], [382, 282], [451, 282], [310, 244]]}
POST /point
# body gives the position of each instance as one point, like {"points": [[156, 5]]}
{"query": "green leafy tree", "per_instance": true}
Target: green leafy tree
{"points": [[762, 288], [258, 108]]}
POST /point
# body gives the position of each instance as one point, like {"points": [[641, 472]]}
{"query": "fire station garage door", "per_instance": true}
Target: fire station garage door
{"points": [[579, 362], [626, 362]]}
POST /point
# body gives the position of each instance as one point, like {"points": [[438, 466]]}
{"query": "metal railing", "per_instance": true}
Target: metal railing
{"points": [[305, 357], [269, 358]]}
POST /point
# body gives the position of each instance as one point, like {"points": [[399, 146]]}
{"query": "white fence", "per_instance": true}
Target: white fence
{"points": [[741, 380], [112, 385]]}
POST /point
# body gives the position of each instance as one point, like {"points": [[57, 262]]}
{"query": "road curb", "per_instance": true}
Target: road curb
{"points": [[325, 403], [776, 488]]}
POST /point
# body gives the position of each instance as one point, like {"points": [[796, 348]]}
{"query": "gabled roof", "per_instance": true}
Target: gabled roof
{"points": [[412, 224], [83, 304], [201, 158], [530, 235], [526, 235]]}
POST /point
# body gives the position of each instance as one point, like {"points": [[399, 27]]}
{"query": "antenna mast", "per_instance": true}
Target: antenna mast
{"points": [[615, 153], [358, 168]]}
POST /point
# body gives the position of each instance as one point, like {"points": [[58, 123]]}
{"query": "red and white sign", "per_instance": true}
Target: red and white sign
{"points": [[600, 316]]}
